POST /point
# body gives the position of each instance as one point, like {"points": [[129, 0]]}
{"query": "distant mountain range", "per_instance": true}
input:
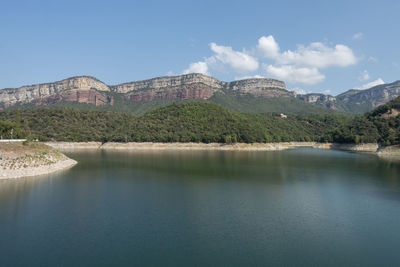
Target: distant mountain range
{"points": [[356, 101], [250, 95]]}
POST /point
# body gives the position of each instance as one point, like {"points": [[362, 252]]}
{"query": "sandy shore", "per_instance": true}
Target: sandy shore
{"points": [[23, 160]]}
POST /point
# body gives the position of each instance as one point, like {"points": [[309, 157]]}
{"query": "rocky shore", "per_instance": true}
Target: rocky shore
{"points": [[373, 148], [181, 146], [22, 159]]}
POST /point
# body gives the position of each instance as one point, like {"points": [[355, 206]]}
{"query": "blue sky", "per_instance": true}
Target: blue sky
{"points": [[314, 46]]}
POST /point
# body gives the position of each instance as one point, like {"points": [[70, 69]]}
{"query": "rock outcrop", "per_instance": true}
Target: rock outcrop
{"points": [[197, 86], [356, 100], [190, 91], [319, 99], [85, 89], [166, 82]]}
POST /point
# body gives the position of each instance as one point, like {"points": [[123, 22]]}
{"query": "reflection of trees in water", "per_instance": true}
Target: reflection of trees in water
{"points": [[15, 192]]}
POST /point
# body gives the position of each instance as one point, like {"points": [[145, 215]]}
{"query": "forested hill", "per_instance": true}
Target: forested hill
{"points": [[382, 125], [185, 122]]}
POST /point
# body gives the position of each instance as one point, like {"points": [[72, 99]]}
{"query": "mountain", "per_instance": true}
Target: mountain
{"points": [[356, 101], [86, 89], [258, 95], [85, 92], [381, 125]]}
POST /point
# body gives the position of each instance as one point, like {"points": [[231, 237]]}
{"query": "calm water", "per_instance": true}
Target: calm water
{"points": [[297, 207]]}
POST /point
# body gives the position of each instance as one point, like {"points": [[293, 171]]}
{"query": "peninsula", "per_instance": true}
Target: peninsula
{"points": [[23, 159]]}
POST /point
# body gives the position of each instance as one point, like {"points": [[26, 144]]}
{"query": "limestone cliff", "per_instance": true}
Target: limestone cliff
{"points": [[166, 82], [85, 89], [356, 100], [197, 86], [82, 89], [319, 99]]}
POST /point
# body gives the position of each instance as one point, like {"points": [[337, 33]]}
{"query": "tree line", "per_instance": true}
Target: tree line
{"points": [[201, 122]]}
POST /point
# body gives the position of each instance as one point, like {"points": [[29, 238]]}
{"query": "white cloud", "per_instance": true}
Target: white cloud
{"points": [[295, 74], [268, 46], [319, 55], [248, 77], [371, 84], [301, 65], [358, 35], [364, 76], [300, 91], [224, 56], [197, 67], [327, 91], [238, 61]]}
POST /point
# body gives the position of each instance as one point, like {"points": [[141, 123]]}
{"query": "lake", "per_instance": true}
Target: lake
{"points": [[205, 208]]}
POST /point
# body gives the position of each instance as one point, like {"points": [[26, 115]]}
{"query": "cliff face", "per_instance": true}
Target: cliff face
{"points": [[86, 89], [81, 89], [197, 86], [80, 96], [189, 91], [374, 96], [356, 100], [319, 99], [166, 82], [260, 87]]}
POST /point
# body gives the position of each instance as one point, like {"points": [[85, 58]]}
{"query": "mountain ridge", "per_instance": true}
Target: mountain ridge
{"points": [[87, 89], [179, 87]]}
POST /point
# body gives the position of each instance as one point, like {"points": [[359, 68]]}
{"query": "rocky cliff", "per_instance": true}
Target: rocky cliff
{"points": [[197, 86], [356, 100], [319, 99], [85, 89]]}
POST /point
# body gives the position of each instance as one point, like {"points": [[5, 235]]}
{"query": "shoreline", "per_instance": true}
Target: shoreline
{"points": [[71, 146], [389, 152], [20, 159], [37, 171]]}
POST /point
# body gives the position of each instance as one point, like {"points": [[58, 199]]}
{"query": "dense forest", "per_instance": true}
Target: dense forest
{"points": [[201, 122], [382, 125], [184, 122]]}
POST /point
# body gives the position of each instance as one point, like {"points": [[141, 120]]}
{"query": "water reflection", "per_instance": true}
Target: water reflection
{"points": [[296, 207]]}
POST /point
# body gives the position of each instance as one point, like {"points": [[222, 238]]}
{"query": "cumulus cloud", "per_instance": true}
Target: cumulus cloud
{"points": [[238, 61], [300, 91], [295, 74], [378, 81], [301, 65], [358, 35], [268, 47], [224, 58], [319, 55], [197, 67], [248, 77], [364, 76]]}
